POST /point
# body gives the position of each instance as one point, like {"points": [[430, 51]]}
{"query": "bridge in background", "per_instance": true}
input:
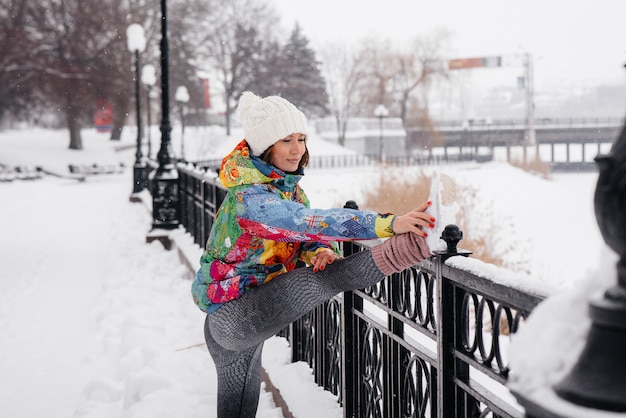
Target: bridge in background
{"points": [[568, 144], [565, 144], [515, 132]]}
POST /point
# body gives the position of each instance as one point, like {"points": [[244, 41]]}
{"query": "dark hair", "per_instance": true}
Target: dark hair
{"points": [[304, 161]]}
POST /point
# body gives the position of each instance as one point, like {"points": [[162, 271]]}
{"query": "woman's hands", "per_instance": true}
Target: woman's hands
{"points": [[414, 221], [322, 258]]}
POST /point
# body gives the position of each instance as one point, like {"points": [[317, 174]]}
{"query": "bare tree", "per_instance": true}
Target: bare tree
{"points": [[81, 56], [235, 35], [185, 17], [395, 74], [115, 81], [63, 64], [17, 75], [344, 73], [417, 67], [379, 75], [73, 56], [379, 72]]}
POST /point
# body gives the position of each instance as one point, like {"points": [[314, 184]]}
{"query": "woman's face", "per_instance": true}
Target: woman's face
{"points": [[287, 152]]}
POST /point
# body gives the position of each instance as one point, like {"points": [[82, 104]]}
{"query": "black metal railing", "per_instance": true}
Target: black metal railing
{"points": [[200, 198], [430, 341]]}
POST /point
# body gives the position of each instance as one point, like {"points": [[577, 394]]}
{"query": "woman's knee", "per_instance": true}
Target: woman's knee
{"points": [[228, 332]]}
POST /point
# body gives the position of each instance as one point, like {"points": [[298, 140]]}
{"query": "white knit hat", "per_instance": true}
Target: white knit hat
{"points": [[266, 120]]}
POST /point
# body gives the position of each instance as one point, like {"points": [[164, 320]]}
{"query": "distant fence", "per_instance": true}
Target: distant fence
{"points": [[364, 160], [514, 132], [430, 341], [539, 122], [567, 156]]}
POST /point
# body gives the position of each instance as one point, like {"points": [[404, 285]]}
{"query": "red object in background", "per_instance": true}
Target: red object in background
{"points": [[462, 63], [103, 116], [207, 95]]}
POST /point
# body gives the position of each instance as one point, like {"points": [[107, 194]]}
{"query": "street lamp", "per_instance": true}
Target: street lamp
{"points": [[182, 97], [148, 77], [136, 42], [164, 180], [380, 112]]}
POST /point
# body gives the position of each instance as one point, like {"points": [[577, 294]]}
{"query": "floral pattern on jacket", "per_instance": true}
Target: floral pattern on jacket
{"points": [[265, 225]]}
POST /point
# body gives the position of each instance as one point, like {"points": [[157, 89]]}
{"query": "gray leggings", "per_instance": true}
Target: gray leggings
{"points": [[235, 333]]}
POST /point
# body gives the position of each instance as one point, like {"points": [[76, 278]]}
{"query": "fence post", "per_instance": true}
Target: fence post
{"points": [[183, 197], [445, 403], [350, 367], [450, 306], [349, 362], [395, 357]]}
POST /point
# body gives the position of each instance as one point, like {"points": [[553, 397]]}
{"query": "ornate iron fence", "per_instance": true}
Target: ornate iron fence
{"points": [[428, 342], [200, 198]]}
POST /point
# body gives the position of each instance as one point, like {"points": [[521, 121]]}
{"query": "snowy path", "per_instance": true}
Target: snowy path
{"points": [[91, 317]]}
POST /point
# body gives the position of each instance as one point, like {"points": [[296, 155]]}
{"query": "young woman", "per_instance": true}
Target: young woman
{"points": [[248, 283]]}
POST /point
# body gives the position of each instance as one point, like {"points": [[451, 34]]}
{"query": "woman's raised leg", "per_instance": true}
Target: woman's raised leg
{"points": [[263, 311]]}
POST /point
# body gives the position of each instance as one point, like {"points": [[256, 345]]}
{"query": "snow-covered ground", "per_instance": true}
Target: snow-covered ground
{"points": [[94, 322]]}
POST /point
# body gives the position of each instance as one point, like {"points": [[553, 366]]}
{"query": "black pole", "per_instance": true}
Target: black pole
{"points": [[149, 121], [380, 138], [182, 132], [165, 152], [138, 153], [138, 167], [164, 180]]}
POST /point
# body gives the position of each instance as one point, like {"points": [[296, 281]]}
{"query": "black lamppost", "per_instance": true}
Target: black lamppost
{"points": [[596, 383], [136, 42], [164, 180], [598, 380], [148, 77], [182, 97], [380, 112]]}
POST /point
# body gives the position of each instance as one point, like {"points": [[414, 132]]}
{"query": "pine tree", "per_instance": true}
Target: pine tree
{"points": [[302, 82]]}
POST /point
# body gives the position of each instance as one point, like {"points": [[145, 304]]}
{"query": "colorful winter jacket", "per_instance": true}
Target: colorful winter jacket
{"points": [[265, 225]]}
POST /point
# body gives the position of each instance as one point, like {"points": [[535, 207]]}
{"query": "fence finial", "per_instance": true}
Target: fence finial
{"points": [[452, 234], [351, 204]]}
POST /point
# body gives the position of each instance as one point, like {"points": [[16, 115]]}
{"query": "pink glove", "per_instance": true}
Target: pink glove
{"points": [[400, 252]]}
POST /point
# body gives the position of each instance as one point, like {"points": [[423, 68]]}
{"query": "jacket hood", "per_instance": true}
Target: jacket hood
{"points": [[240, 168]]}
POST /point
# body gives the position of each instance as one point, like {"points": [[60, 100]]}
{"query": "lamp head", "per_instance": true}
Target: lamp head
{"points": [[182, 95], [135, 38], [148, 75]]}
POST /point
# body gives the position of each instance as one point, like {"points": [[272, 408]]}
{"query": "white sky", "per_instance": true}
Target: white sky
{"points": [[578, 42]]}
